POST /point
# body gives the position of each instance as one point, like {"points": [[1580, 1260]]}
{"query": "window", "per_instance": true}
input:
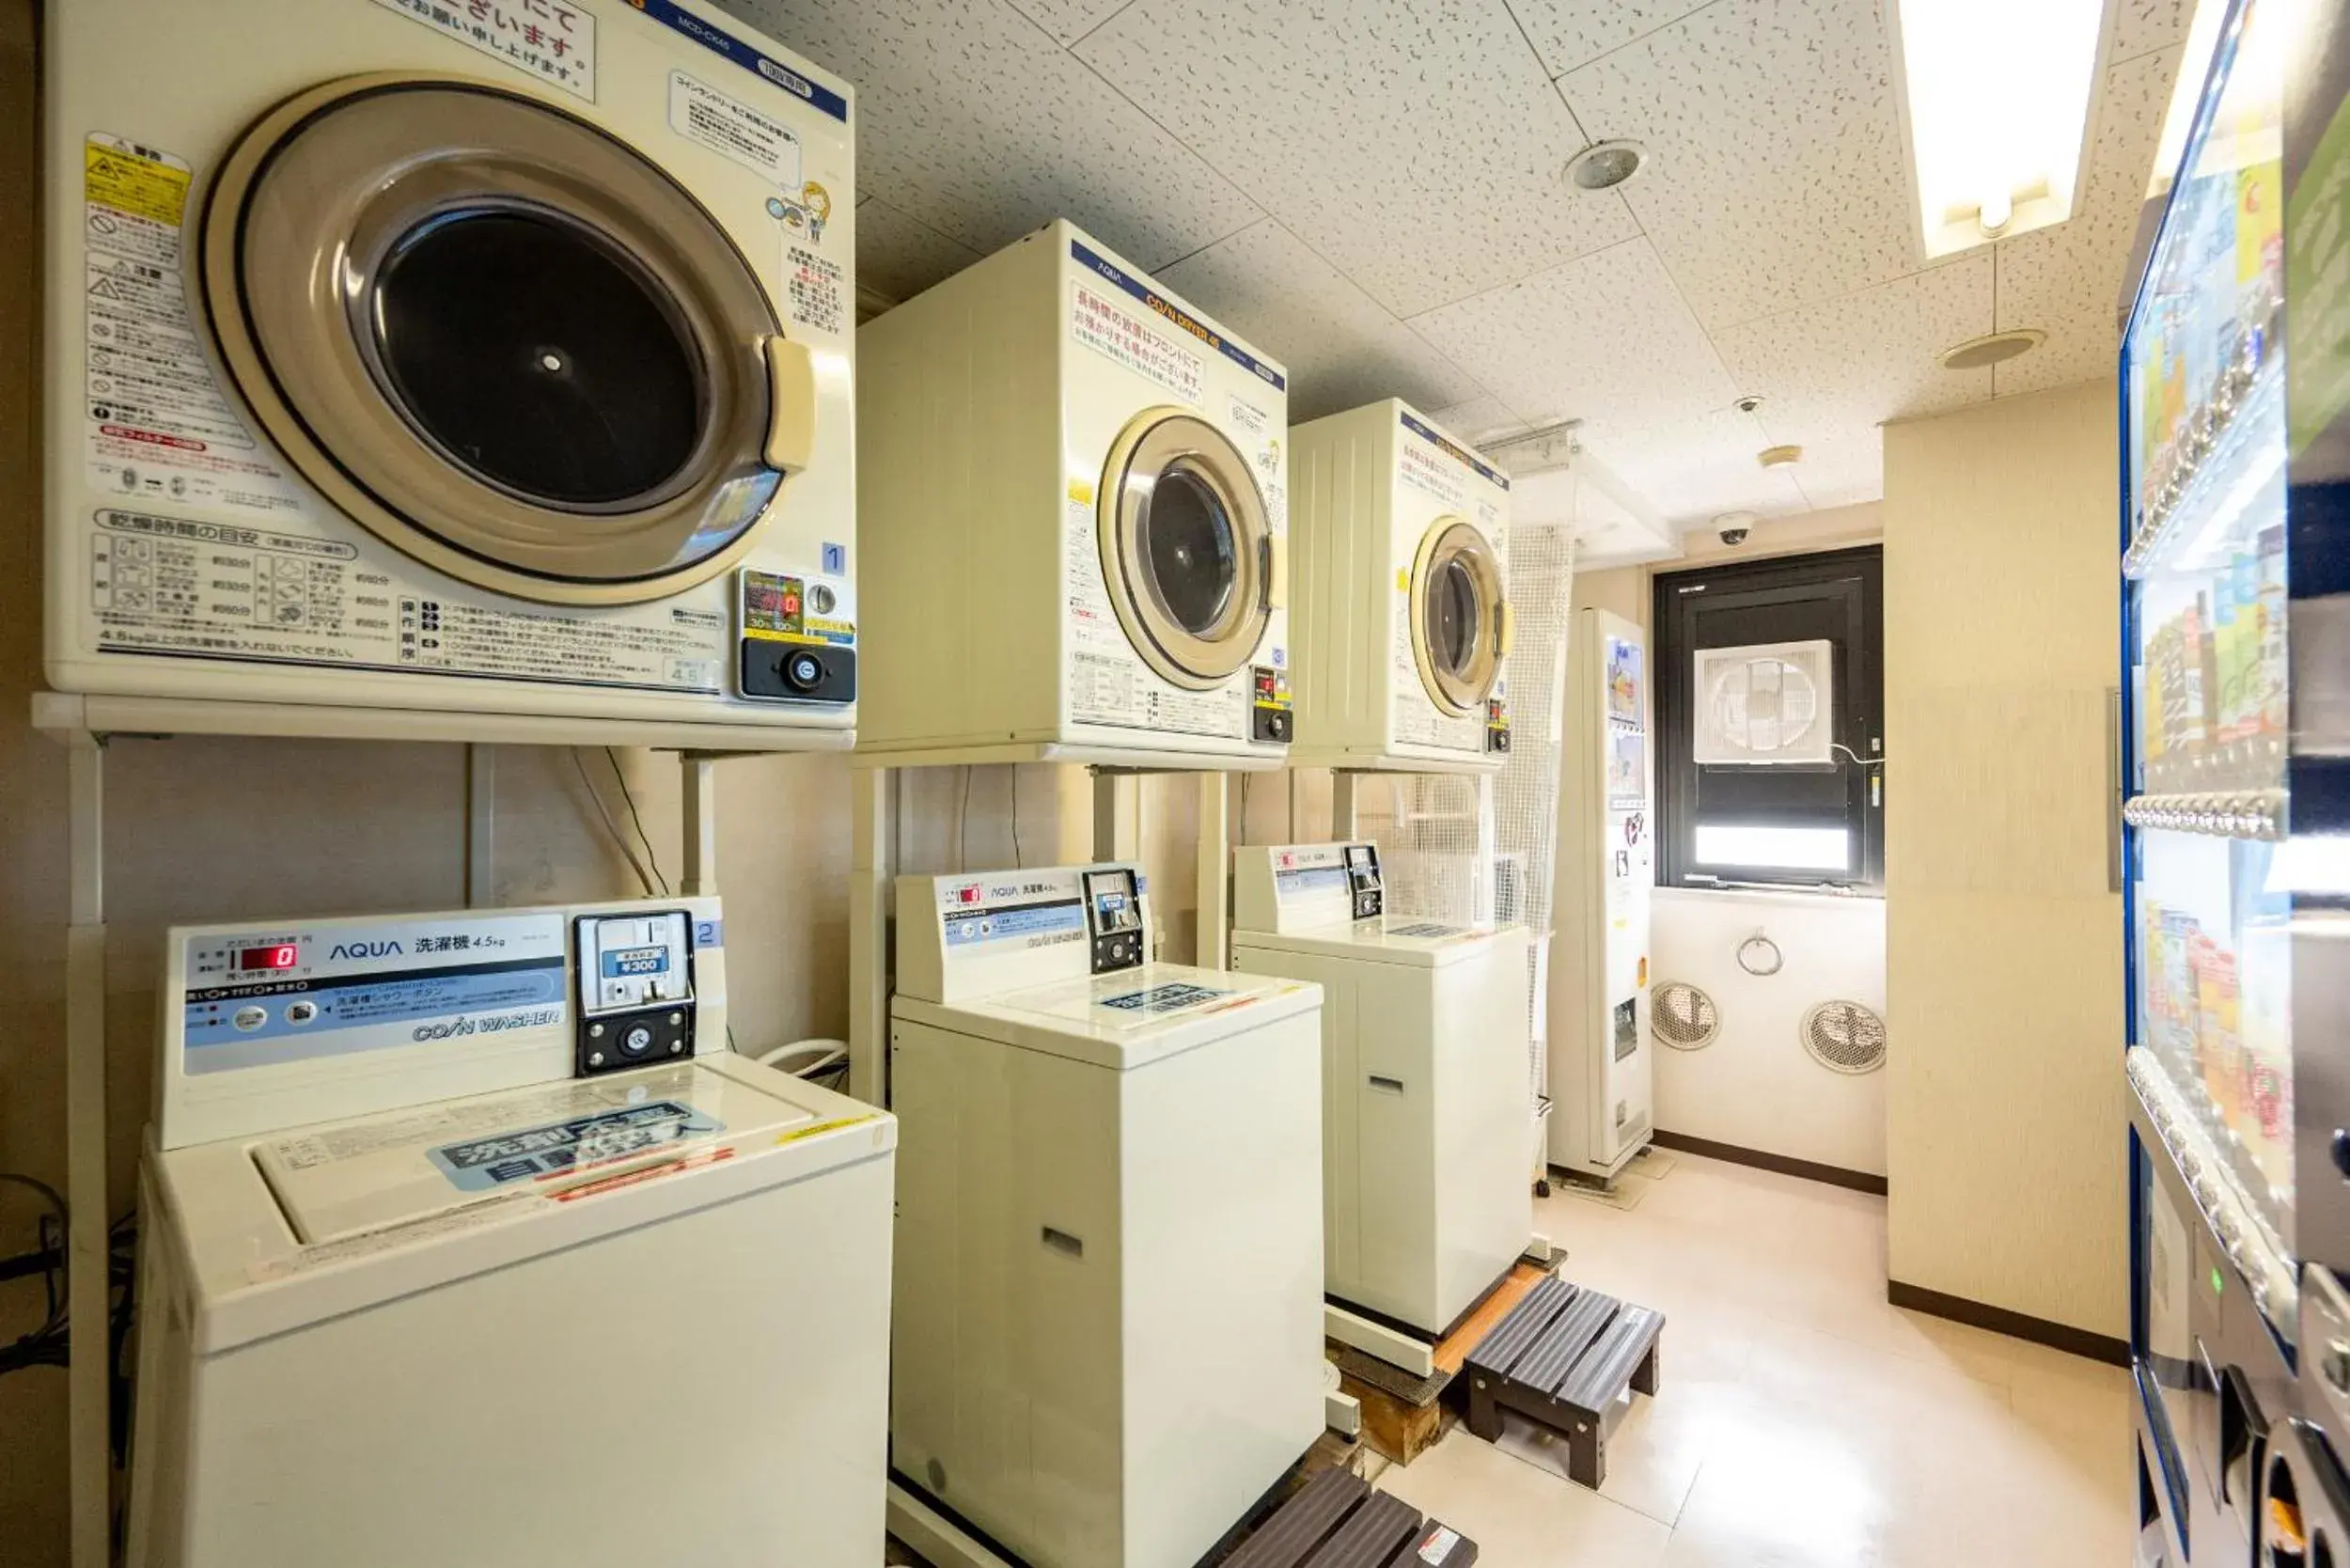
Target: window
{"points": [[1770, 695]]}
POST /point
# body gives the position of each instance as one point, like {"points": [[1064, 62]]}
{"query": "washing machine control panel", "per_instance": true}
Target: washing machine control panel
{"points": [[635, 989], [1114, 920], [1362, 882]]}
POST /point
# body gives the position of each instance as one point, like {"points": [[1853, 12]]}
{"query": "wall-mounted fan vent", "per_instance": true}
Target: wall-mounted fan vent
{"points": [[1843, 1037], [1682, 1017], [1765, 703]]}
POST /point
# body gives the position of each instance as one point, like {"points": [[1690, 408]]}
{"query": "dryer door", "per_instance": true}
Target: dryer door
{"points": [[1187, 554], [501, 339], [1460, 619]]}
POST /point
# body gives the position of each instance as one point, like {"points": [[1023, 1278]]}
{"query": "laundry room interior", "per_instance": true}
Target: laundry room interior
{"points": [[1132, 784]]}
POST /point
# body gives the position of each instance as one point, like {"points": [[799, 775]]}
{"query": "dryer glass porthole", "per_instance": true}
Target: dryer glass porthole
{"points": [[499, 336], [1457, 614], [1187, 550], [535, 354]]}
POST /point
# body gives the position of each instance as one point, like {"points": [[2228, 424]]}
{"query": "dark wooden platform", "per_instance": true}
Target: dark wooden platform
{"points": [[1568, 1358], [1336, 1521]]}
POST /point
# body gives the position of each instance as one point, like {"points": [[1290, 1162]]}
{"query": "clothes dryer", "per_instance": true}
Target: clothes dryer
{"points": [[1107, 1343], [1401, 615], [1074, 495], [1425, 1114], [464, 1236], [487, 357]]}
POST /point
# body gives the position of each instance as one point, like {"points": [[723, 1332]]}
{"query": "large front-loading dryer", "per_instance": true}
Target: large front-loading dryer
{"points": [[1073, 490], [493, 355], [1402, 618]]}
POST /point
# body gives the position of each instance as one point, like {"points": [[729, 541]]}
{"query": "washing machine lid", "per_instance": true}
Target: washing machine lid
{"points": [[1127, 1019], [1386, 939], [501, 339], [1188, 554], [1460, 618], [284, 1231]]}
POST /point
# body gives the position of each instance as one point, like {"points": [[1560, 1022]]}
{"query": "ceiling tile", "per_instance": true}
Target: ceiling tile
{"points": [[2067, 281], [1568, 33], [1831, 372], [1843, 470], [1069, 20], [1694, 469], [2143, 26], [1341, 346], [1600, 336], [1480, 420], [978, 124], [898, 258], [1775, 172], [1417, 144]]}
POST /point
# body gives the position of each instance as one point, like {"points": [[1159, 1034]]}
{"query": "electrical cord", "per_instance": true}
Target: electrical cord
{"points": [[1864, 761], [619, 839], [652, 856], [962, 823], [1019, 858]]}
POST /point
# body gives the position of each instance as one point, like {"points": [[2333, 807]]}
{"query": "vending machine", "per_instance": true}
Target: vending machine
{"points": [[2236, 723], [1600, 1056]]}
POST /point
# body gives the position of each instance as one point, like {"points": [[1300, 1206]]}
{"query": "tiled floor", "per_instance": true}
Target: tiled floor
{"points": [[1802, 1421]]}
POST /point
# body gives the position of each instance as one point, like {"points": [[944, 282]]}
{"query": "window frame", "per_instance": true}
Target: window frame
{"points": [[1859, 708]]}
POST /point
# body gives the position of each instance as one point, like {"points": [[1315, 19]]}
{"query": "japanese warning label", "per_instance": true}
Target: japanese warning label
{"points": [[178, 584], [727, 126], [154, 422], [554, 40], [815, 287], [1109, 330]]}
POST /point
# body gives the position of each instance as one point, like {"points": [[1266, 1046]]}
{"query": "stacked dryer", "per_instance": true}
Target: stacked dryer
{"points": [[1402, 618], [490, 359], [1075, 486]]}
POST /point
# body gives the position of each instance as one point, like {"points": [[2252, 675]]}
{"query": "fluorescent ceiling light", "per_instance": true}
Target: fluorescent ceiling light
{"points": [[2187, 91], [1995, 97]]}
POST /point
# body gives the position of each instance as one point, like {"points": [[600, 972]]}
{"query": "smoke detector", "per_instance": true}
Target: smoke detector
{"points": [[1604, 165], [1778, 457], [1995, 349]]}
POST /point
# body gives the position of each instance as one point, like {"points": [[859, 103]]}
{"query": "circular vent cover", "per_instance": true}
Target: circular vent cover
{"points": [[1682, 1017], [1844, 1036]]}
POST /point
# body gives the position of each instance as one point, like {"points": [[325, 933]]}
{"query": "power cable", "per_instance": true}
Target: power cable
{"points": [[652, 856]]}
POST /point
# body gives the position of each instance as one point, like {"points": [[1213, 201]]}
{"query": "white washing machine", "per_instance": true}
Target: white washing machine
{"points": [[489, 356], [1400, 618], [1426, 1202], [1602, 1062], [466, 1239], [1108, 1342], [1073, 494]]}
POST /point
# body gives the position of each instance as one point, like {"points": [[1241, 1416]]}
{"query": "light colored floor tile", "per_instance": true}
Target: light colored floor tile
{"points": [[1521, 1516], [1802, 1421]]}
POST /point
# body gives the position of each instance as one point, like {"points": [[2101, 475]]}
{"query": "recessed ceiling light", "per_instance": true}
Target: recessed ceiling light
{"points": [[1778, 457], [1995, 349], [1604, 165]]}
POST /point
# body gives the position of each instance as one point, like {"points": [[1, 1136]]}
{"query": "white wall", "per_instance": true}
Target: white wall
{"points": [[1756, 1086]]}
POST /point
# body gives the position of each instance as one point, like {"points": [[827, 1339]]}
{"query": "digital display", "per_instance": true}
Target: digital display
{"points": [[281, 955], [636, 961]]}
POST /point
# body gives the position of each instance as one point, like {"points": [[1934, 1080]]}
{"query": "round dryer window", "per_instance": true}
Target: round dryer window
{"points": [[1187, 550], [501, 339], [1460, 619]]}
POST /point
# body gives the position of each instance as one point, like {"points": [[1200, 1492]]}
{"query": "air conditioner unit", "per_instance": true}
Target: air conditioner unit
{"points": [[1769, 703]]}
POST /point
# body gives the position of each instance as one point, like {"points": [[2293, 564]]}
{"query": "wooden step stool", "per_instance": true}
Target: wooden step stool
{"points": [[1568, 1358], [1336, 1521]]}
